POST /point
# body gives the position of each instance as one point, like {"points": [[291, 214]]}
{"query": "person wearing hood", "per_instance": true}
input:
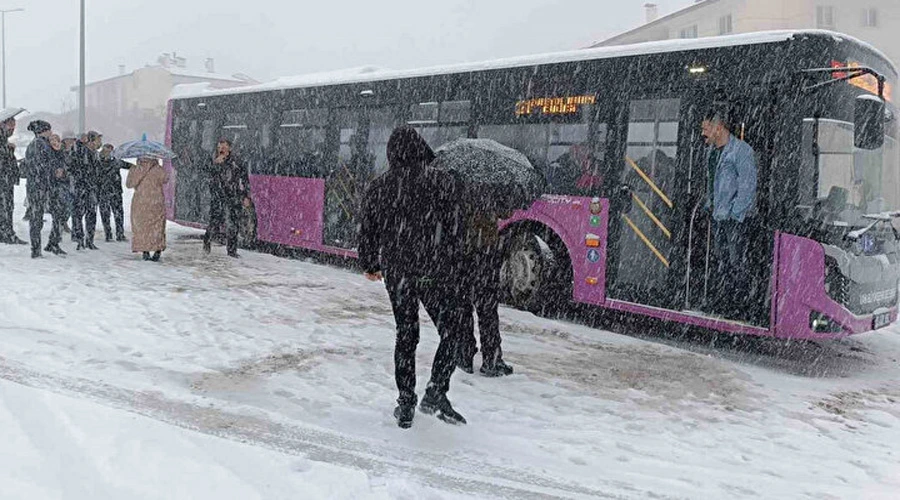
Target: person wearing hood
{"points": [[409, 238], [109, 188], [148, 208], [229, 193], [84, 169], [42, 167], [9, 178]]}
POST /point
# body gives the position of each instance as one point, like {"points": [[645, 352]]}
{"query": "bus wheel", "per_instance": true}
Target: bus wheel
{"points": [[524, 272]]}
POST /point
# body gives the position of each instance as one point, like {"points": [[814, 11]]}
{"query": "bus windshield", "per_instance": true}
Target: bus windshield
{"points": [[851, 182]]}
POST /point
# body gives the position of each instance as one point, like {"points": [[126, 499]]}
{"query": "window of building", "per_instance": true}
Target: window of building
{"points": [[825, 17], [689, 32], [726, 25], [870, 18]]}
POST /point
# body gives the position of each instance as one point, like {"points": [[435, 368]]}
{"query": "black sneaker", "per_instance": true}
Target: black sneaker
{"points": [[404, 415], [121, 239], [442, 408], [15, 240], [80, 246], [497, 369], [91, 246], [155, 257], [146, 255], [234, 255], [36, 254]]}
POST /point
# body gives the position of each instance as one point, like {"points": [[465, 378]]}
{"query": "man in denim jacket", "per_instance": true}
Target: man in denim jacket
{"points": [[731, 196]]}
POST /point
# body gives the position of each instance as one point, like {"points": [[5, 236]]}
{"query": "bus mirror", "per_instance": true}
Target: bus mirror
{"points": [[868, 119]]}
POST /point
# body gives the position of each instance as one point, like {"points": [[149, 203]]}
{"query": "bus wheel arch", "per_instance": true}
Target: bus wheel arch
{"points": [[536, 274]]}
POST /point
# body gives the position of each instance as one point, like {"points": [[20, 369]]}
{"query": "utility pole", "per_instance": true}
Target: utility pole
{"points": [[3, 46], [81, 124]]}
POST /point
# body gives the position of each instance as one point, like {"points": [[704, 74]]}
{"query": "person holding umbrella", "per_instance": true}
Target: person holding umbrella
{"points": [[9, 177], [410, 237], [148, 206], [495, 180]]}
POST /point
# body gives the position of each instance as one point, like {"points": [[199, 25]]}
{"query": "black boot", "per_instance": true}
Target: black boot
{"points": [[35, 253], [121, 238], [80, 246], [90, 245], [108, 239], [15, 240], [441, 406], [146, 255], [466, 364], [404, 415], [156, 256], [207, 246], [496, 369]]}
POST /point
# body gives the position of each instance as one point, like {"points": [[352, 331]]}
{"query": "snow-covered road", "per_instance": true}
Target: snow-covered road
{"points": [[294, 360]]}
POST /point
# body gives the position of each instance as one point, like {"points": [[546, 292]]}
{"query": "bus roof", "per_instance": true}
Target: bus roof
{"points": [[372, 74]]}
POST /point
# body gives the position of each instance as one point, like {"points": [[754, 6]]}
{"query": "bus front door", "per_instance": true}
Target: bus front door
{"points": [[645, 211]]}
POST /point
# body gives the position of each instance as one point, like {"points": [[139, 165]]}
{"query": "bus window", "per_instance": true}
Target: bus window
{"points": [[455, 112], [301, 143], [208, 137], [576, 159], [381, 124], [531, 140]]}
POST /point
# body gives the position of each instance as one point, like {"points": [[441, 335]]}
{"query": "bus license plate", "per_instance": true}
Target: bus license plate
{"points": [[881, 320]]}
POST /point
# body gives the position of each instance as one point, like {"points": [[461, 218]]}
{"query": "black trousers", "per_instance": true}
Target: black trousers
{"points": [[444, 304], [84, 218], [111, 203], [7, 204], [36, 221], [218, 209], [483, 300]]}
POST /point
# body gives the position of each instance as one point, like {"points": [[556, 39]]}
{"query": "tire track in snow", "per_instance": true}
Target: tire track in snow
{"points": [[460, 475]]}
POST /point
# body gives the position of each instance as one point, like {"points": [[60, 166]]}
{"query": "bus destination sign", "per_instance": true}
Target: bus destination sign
{"points": [[554, 105]]}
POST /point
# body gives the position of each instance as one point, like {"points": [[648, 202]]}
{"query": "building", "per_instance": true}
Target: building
{"points": [[130, 104], [874, 21]]}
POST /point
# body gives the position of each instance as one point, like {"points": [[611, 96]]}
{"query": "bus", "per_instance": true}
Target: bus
{"points": [[616, 132]]}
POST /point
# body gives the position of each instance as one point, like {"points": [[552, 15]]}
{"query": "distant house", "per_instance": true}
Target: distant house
{"points": [[124, 106], [873, 21]]}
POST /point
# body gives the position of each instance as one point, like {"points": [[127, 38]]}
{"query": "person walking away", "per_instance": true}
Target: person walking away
{"points": [[84, 169], [409, 238], [484, 256], [9, 179], [41, 165], [109, 188], [148, 208], [731, 195], [229, 190]]}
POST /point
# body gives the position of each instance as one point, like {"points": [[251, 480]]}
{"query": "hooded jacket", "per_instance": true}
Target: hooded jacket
{"points": [[411, 217]]}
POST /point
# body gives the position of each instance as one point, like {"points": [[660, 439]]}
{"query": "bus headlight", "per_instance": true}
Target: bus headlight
{"points": [[819, 323]]}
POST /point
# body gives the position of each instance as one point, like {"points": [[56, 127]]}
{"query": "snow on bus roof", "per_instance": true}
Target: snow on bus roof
{"points": [[371, 73]]}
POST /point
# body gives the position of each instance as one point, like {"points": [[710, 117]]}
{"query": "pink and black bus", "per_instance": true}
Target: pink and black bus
{"points": [[616, 133]]}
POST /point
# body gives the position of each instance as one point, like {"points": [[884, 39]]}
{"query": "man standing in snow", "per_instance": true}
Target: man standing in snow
{"points": [[41, 171], [9, 178], [410, 233], [109, 188], [229, 194], [84, 169]]}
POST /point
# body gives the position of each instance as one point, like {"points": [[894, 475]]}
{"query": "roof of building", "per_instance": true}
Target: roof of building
{"points": [[659, 21], [371, 74], [204, 75]]}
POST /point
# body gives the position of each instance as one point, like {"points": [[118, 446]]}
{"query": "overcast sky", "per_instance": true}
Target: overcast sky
{"points": [[270, 38]]}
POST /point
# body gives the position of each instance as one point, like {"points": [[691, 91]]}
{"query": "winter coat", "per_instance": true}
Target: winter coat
{"points": [[734, 188], [148, 208], [84, 167], [40, 162], [9, 166], [229, 182], [109, 175], [411, 218], [60, 186]]}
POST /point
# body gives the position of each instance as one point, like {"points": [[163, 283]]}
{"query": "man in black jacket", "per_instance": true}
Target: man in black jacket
{"points": [[229, 193], [109, 189], [85, 169], [9, 178], [42, 166], [410, 233]]}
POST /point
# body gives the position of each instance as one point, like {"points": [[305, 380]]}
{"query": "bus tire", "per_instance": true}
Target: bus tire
{"points": [[534, 273]]}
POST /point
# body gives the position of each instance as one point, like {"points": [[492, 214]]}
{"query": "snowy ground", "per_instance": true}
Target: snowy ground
{"points": [[272, 378]]}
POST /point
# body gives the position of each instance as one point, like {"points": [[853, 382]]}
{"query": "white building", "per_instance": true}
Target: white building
{"points": [[873, 21]]}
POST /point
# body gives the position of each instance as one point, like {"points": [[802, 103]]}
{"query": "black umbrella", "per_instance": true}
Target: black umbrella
{"points": [[488, 169]]}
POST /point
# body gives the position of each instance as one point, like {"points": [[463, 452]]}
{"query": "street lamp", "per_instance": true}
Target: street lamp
{"points": [[3, 44], [81, 126]]}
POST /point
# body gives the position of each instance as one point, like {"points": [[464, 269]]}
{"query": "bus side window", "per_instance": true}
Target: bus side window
{"points": [[301, 143], [381, 124]]}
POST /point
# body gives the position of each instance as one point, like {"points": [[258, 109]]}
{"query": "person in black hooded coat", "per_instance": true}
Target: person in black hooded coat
{"points": [[411, 237]]}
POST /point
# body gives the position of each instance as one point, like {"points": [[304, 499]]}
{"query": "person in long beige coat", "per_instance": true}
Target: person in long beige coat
{"points": [[148, 207]]}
